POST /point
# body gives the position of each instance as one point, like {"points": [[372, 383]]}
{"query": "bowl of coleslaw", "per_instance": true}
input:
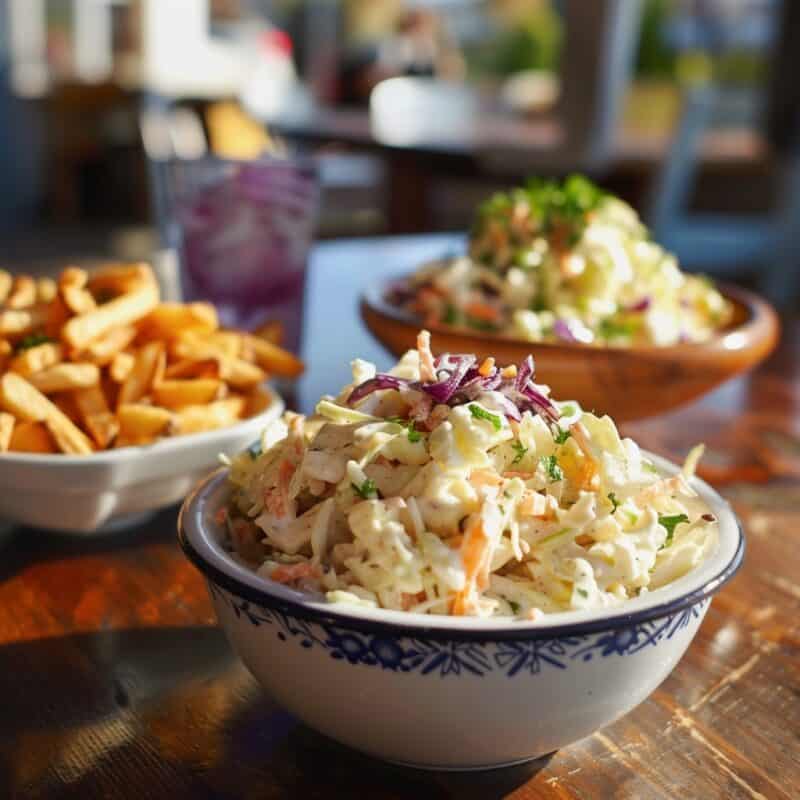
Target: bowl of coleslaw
{"points": [[570, 273], [444, 566]]}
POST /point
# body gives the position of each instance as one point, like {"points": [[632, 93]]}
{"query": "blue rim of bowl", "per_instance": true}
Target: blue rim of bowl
{"points": [[315, 614]]}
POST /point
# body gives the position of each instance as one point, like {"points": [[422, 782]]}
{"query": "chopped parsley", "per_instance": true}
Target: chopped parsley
{"points": [[451, 315], [554, 472], [481, 413], [561, 436], [514, 606], [616, 329], [670, 523], [613, 500], [582, 592], [34, 340], [649, 467], [413, 434], [520, 451], [367, 490]]}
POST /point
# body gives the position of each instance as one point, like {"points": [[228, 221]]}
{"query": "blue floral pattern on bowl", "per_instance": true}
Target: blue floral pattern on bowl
{"points": [[447, 658]]}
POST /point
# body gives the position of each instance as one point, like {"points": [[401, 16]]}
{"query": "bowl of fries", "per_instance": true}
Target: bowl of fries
{"points": [[112, 403]]}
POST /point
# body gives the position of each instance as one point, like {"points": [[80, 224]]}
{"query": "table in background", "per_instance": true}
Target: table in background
{"points": [[116, 683]]}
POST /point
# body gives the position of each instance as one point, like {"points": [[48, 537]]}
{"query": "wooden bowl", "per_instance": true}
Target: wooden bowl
{"points": [[629, 383]]}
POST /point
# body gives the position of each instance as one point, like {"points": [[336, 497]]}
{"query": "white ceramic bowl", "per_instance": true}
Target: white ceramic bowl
{"points": [[444, 692], [116, 488]]}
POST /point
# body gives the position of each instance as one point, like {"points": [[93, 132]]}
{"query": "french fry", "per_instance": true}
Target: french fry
{"points": [[27, 403], [96, 415], [77, 299], [176, 394], [160, 367], [56, 316], [6, 282], [140, 423], [271, 331], [219, 414], [31, 437], [23, 293], [203, 368], [68, 438], [5, 353], [92, 360], [65, 402], [36, 358], [46, 290], [104, 349], [140, 379], [169, 320], [73, 276], [239, 373], [65, 378], [21, 322], [123, 310], [228, 342], [117, 279], [121, 366], [274, 359], [7, 422]]}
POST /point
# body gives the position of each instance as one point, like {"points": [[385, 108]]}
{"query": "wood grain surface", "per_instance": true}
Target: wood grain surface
{"points": [[115, 682]]}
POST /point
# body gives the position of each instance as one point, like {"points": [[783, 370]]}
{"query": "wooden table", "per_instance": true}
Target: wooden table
{"points": [[115, 682]]}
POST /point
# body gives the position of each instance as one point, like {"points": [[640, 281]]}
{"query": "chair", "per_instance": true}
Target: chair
{"points": [[727, 245]]}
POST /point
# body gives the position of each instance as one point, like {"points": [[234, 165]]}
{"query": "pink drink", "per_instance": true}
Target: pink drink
{"points": [[246, 230]]}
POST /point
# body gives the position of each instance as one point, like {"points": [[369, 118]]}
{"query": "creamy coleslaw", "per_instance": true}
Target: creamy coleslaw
{"points": [[452, 486], [565, 262]]}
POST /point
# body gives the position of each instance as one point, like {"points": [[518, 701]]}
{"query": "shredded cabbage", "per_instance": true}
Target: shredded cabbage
{"points": [[448, 502]]}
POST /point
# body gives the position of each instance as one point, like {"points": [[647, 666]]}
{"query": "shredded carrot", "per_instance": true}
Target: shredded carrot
{"points": [[454, 542], [475, 557], [533, 504], [486, 367], [483, 477], [427, 371], [482, 311], [408, 600]]}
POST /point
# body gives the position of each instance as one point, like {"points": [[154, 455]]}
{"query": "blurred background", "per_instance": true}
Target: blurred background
{"points": [[411, 110]]}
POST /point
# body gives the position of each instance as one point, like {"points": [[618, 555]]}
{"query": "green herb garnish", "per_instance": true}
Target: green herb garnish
{"points": [[520, 451], [514, 606], [413, 434], [34, 340], [451, 315], [481, 413], [613, 500], [551, 467], [616, 329], [561, 436], [582, 592], [670, 523], [646, 465], [367, 490]]}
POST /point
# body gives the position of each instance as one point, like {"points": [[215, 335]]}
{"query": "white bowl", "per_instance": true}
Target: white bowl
{"points": [[116, 488], [452, 693]]}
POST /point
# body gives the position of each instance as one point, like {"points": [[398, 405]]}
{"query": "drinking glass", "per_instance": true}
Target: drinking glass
{"points": [[244, 230]]}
